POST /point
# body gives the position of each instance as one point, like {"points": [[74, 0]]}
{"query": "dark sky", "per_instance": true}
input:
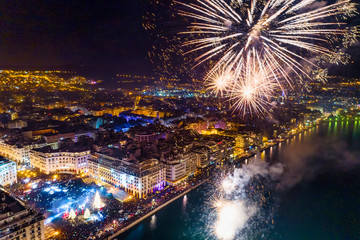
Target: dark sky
{"points": [[97, 37], [100, 36]]}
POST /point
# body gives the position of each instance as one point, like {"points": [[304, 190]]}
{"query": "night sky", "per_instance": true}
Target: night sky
{"points": [[99, 37], [96, 37]]}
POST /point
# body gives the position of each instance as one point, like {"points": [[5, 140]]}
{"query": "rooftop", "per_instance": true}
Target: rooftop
{"points": [[73, 149], [115, 153], [4, 160], [9, 204], [132, 167], [21, 142], [12, 212]]}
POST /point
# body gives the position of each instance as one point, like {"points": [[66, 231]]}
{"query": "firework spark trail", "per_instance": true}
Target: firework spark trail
{"points": [[232, 206], [277, 34], [219, 81], [253, 93]]}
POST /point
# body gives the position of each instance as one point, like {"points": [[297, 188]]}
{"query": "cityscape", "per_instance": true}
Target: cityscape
{"points": [[156, 139]]}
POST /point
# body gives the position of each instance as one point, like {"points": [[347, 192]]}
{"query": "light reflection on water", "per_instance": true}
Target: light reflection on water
{"points": [[184, 203], [355, 129], [153, 222], [262, 155], [188, 217]]}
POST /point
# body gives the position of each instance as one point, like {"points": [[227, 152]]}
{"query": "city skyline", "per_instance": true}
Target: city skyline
{"points": [[186, 119], [96, 39]]}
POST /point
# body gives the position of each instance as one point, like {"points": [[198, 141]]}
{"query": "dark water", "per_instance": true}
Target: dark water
{"points": [[319, 198]]}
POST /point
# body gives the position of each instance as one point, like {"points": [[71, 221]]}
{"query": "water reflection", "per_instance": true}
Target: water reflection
{"points": [[347, 127], [355, 129], [184, 203], [262, 155], [153, 222], [335, 128], [180, 220]]}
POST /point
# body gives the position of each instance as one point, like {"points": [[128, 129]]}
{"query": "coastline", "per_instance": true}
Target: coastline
{"points": [[277, 142], [121, 231], [113, 237]]}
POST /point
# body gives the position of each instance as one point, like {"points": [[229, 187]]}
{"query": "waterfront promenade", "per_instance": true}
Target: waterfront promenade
{"points": [[190, 219], [242, 159], [117, 234]]}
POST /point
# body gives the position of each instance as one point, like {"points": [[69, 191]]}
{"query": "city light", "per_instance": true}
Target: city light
{"points": [[97, 201], [234, 112]]}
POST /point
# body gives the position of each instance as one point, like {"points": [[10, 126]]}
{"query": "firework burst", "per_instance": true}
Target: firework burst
{"points": [[254, 86], [218, 82], [279, 36], [249, 85]]}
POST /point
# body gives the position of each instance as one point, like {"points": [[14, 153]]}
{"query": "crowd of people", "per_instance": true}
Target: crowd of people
{"points": [[121, 214], [54, 196]]}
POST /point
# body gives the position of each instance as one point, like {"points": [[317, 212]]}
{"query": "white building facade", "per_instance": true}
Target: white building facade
{"points": [[59, 160], [7, 172], [17, 153], [136, 178]]}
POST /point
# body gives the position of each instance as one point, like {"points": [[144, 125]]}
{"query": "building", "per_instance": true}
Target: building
{"points": [[178, 161], [19, 151], [114, 111], [149, 112], [64, 159], [14, 124], [242, 141], [89, 134], [144, 137], [135, 177], [199, 125], [36, 134], [175, 168], [56, 137], [190, 159], [241, 144], [7, 172], [178, 166], [201, 157], [219, 151], [19, 222]]}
